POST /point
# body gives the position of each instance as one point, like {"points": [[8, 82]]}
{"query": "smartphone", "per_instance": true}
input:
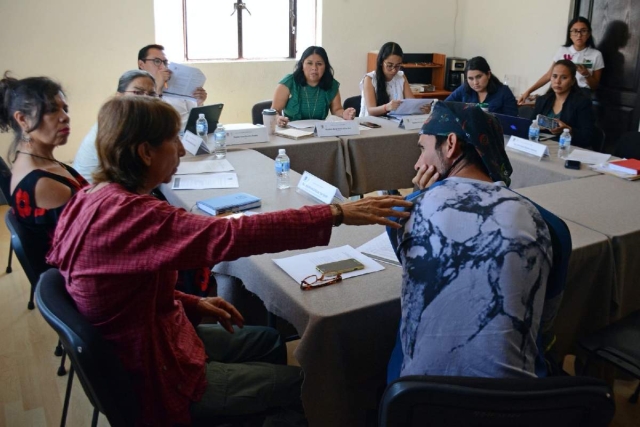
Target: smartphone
{"points": [[547, 122], [339, 267], [370, 125], [572, 164]]}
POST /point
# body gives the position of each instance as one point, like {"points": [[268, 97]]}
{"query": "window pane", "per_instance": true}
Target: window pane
{"points": [[266, 31], [306, 25], [211, 32]]}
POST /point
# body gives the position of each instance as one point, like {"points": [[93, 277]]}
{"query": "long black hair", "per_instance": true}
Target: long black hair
{"points": [[478, 63], [590, 42], [326, 81], [573, 69], [387, 49]]}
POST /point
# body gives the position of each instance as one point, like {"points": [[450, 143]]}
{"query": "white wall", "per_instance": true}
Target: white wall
{"points": [[517, 37], [87, 45]]}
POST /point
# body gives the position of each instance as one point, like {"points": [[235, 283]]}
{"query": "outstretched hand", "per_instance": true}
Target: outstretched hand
{"points": [[375, 210], [222, 311]]}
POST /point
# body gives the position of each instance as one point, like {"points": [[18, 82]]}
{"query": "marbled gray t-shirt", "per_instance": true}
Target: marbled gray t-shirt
{"points": [[475, 258]]}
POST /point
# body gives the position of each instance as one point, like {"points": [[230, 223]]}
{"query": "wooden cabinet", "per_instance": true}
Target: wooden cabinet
{"points": [[420, 68]]}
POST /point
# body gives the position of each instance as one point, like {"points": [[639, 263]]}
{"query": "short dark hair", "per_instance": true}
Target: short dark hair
{"points": [[124, 123], [387, 49], [326, 81], [573, 69], [591, 42], [34, 97], [142, 54], [469, 151], [478, 63], [125, 80]]}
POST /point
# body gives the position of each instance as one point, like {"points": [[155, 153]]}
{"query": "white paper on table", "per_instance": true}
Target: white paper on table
{"points": [[204, 166], [380, 249], [411, 106], [303, 124], [302, 266], [588, 157], [184, 80], [205, 181]]}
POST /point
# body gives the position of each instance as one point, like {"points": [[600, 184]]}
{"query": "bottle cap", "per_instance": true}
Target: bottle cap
{"points": [[269, 112], [201, 116], [282, 151]]}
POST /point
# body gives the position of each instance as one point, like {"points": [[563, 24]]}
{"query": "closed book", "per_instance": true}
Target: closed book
{"points": [[294, 133], [630, 166], [230, 203]]}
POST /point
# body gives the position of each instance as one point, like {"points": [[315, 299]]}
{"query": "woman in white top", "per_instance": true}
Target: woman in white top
{"points": [[579, 49], [379, 96]]}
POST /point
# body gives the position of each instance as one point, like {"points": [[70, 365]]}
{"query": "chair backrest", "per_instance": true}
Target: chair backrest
{"points": [[5, 180], [628, 145], [525, 111], [30, 251], [256, 111], [353, 102], [105, 382], [463, 401]]}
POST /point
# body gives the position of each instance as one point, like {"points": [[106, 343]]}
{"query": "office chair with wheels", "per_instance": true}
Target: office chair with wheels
{"points": [[256, 111], [5, 187], [618, 344], [496, 402], [353, 102], [103, 378]]}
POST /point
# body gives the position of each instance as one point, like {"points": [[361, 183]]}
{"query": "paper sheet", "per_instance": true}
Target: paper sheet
{"points": [[184, 80], [204, 181], [204, 166], [380, 249], [304, 124], [588, 157], [301, 266], [411, 106]]}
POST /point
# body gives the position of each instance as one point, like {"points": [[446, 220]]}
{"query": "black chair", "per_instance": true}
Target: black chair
{"points": [[353, 102], [599, 140], [465, 402], [5, 187], [103, 378], [256, 111], [618, 344], [628, 145], [525, 111]]}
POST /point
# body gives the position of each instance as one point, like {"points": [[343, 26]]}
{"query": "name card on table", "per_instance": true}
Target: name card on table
{"points": [[341, 128], [413, 122], [318, 189], [194, 144], [527, 147]]}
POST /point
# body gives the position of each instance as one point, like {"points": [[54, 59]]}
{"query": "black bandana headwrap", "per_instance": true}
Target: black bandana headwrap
{"points": [[478, 128]]}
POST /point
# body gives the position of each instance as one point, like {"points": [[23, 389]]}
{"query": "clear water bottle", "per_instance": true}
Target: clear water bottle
{"points": [[283, 164], [220, 145], [534, 131], [202, 127], [564, 146]]}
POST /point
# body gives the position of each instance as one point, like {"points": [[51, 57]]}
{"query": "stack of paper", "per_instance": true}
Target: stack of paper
{"points": [[292, 133], [204, 174]]}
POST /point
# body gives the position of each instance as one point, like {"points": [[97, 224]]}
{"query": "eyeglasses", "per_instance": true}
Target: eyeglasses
{"points": [[313, 281], [143, 93], [390, 67], [583, 32], [157, 61]]}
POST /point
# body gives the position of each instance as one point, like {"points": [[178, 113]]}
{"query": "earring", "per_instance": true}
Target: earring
{"points": [[25, 137]]}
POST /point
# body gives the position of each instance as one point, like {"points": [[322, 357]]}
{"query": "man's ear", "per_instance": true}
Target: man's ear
{"points": [[452, 147], [144, 152], [140, 64]]}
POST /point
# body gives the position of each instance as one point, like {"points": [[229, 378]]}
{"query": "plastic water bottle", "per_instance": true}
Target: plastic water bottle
{"points": [[202, 127], [534, 131], [564, 147], [220, 145], [283, 164]]}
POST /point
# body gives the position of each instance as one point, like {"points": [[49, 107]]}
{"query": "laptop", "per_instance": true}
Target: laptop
{"points": [[211, 113], [514, 125]]}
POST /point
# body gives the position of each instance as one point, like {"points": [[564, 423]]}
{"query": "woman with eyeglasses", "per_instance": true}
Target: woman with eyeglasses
{"points": [[482, 86], [133, 82], [579, 48], [310, 92], [381, 95], [36, 110]]}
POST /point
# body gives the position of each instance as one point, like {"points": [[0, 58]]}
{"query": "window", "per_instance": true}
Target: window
{"points": [[235, 29]]}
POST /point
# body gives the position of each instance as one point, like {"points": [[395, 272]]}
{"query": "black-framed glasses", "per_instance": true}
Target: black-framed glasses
{"points": [[142, 93], [313, 281], [583, 31], [390, 66], [157, 61]]}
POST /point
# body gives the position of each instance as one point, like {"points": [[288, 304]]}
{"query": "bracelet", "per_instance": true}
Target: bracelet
{"points": [[337, 221]]}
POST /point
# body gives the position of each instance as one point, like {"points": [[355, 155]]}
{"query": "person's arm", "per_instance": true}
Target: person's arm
{"points": [[200, 95], [509, 103], [456, 95], [51, 194], [370, 99], [280, 99], [593, 79], [337, 109], [407, 93], [546, 77], [582, 126]]}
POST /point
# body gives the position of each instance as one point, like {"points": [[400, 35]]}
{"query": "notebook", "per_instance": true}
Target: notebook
{"points": [[292, 133], [514, 125], [230, 203], [211, 113]]}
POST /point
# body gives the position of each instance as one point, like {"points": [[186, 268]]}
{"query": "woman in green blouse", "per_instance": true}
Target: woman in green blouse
{"points": [[311, 91]]}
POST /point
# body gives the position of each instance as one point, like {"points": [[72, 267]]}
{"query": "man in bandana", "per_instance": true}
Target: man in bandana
{"points": [[475, 255]]}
